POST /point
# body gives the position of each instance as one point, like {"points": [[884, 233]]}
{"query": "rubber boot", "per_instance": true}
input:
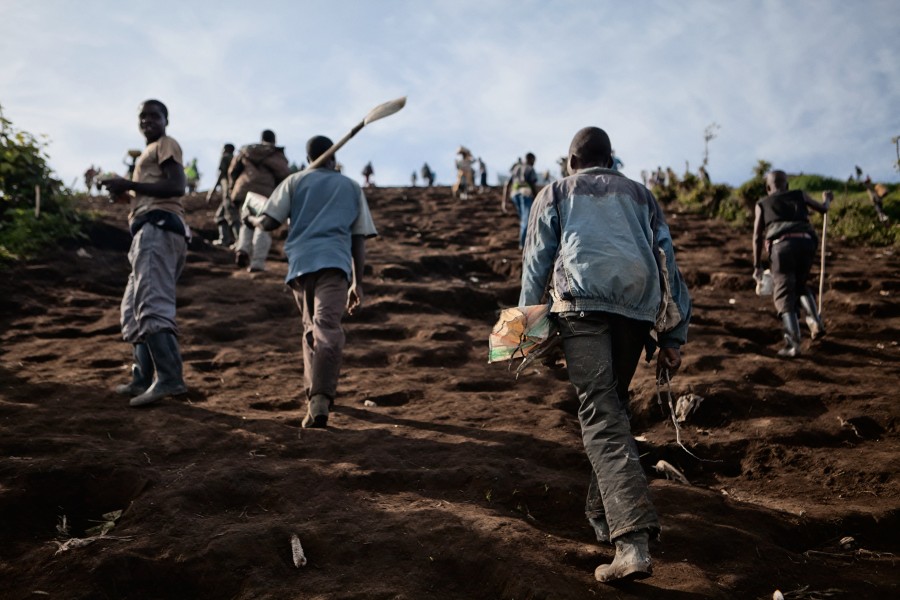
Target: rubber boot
{"points": [[632, 560], [225, 236], [316, 412], [141, 373], [791, 335], [169, 381], [813, 318]]}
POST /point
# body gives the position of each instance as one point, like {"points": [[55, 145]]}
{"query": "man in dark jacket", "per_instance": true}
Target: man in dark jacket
{"points": [[254, 173], [782, 227]]}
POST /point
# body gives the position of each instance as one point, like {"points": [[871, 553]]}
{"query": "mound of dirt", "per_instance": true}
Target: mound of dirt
{"points": [[439, 476]]}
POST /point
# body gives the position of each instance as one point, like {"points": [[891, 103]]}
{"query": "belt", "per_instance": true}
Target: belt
{"points": [[792, 235]]}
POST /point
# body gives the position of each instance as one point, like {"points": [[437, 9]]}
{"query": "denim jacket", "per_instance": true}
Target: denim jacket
{"points": [[593, 239]]}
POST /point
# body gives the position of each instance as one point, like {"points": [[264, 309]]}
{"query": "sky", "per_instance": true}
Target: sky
{"points": [[809, 85]]}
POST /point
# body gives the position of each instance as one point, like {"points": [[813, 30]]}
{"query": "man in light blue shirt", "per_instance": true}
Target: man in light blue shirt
{"points": [[326, 251]]}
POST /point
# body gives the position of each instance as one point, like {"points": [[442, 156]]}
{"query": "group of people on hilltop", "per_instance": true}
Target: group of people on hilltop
{"points": [[596, 251]]}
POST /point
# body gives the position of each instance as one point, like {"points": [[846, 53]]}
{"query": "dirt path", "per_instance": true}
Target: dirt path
{"points": [[460, 482]]}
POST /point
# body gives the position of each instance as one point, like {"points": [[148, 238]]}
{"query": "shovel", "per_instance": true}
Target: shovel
{"points": [[822, 265], [379, 112]]}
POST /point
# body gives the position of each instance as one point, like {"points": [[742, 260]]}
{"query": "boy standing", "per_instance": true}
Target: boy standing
{"points": [[157, 254]]}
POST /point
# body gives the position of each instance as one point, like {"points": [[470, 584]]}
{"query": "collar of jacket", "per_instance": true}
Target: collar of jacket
{"points": [[604, 170]]}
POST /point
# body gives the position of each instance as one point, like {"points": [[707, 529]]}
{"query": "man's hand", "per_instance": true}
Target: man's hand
{"points": [[827, 198], [354, 299], [758, 274], [117, 186], [669, 360]]}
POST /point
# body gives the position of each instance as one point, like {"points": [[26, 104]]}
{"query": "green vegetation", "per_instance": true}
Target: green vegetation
{"points": [[23, 167], [852, 216]]}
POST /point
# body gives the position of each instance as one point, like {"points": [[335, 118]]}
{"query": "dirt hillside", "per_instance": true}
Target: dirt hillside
{"points": [[458, 482]]}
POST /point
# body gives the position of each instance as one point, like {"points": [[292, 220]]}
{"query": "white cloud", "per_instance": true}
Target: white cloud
{"points": [[810, 86]]}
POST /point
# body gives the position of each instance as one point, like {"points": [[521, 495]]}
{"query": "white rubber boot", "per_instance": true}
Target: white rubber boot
{"points": [[632, 560]]}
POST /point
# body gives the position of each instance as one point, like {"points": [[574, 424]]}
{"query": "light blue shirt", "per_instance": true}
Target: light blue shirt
{"points": [[326, 209]]}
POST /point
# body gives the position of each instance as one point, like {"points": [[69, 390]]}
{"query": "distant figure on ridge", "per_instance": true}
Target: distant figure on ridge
{"points": [[367, 173], [781, 226], [876, 197], [521, 188], [254, 173], [465, 174], [192, 175], [617, 163], [427, 175], [482, 175], [89, 176], [413, 179]]}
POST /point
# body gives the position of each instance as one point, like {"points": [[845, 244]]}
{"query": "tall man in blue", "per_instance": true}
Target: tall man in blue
{"points": [[157, 255], [326, 251], [600, 244]]}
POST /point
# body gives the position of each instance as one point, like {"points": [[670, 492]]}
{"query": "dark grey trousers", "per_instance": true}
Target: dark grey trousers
{"points": [[322, 299], [792, 260], [602, 351], [148, 305]]}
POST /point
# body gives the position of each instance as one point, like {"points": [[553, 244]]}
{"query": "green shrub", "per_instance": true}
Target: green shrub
{"points": [[23, 166], [853, 219]]}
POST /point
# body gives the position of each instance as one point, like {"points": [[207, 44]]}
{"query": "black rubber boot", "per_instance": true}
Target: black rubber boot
{"points": [[316, 412], [632, 560], [141, 372], [791, 335], [813, 318], [166, 356]]}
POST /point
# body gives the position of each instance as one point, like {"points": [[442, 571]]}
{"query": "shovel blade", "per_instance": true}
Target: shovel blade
{"points": [[384, 110]]}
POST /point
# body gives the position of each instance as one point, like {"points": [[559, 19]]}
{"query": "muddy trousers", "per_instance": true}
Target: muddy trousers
{"points": [[148, 304], [322, 299], [792, 260], [602, 352]]}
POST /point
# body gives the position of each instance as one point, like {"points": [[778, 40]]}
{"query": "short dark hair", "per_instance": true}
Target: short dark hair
{"points": [[529, 156], [229, 147], [592, 147], [316, 146], [162, 107], [268, 136]]}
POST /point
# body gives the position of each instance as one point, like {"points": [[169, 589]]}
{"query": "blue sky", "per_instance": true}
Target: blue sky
{"points": [[811, 86]]}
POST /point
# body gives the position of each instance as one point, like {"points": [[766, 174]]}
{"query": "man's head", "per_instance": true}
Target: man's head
{"points": [[529, 159], [776, 181], [316, 147], [590, 148], [229, 148], [153, 116], [268, 136]]}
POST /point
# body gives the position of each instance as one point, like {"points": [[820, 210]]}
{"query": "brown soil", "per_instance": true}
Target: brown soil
{"points": [[460, 482]]}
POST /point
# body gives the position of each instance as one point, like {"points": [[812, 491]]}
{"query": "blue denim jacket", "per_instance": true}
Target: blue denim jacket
{"points": [[592, 238]]}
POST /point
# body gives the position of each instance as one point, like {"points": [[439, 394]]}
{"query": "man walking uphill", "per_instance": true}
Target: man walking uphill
{"points": [[326, 251], [157, 254], [599, 241], [521, 188], [782, 226], [257, 169]]}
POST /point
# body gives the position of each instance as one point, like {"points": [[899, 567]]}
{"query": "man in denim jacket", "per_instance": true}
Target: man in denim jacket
{"points": [[596, 241]]}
